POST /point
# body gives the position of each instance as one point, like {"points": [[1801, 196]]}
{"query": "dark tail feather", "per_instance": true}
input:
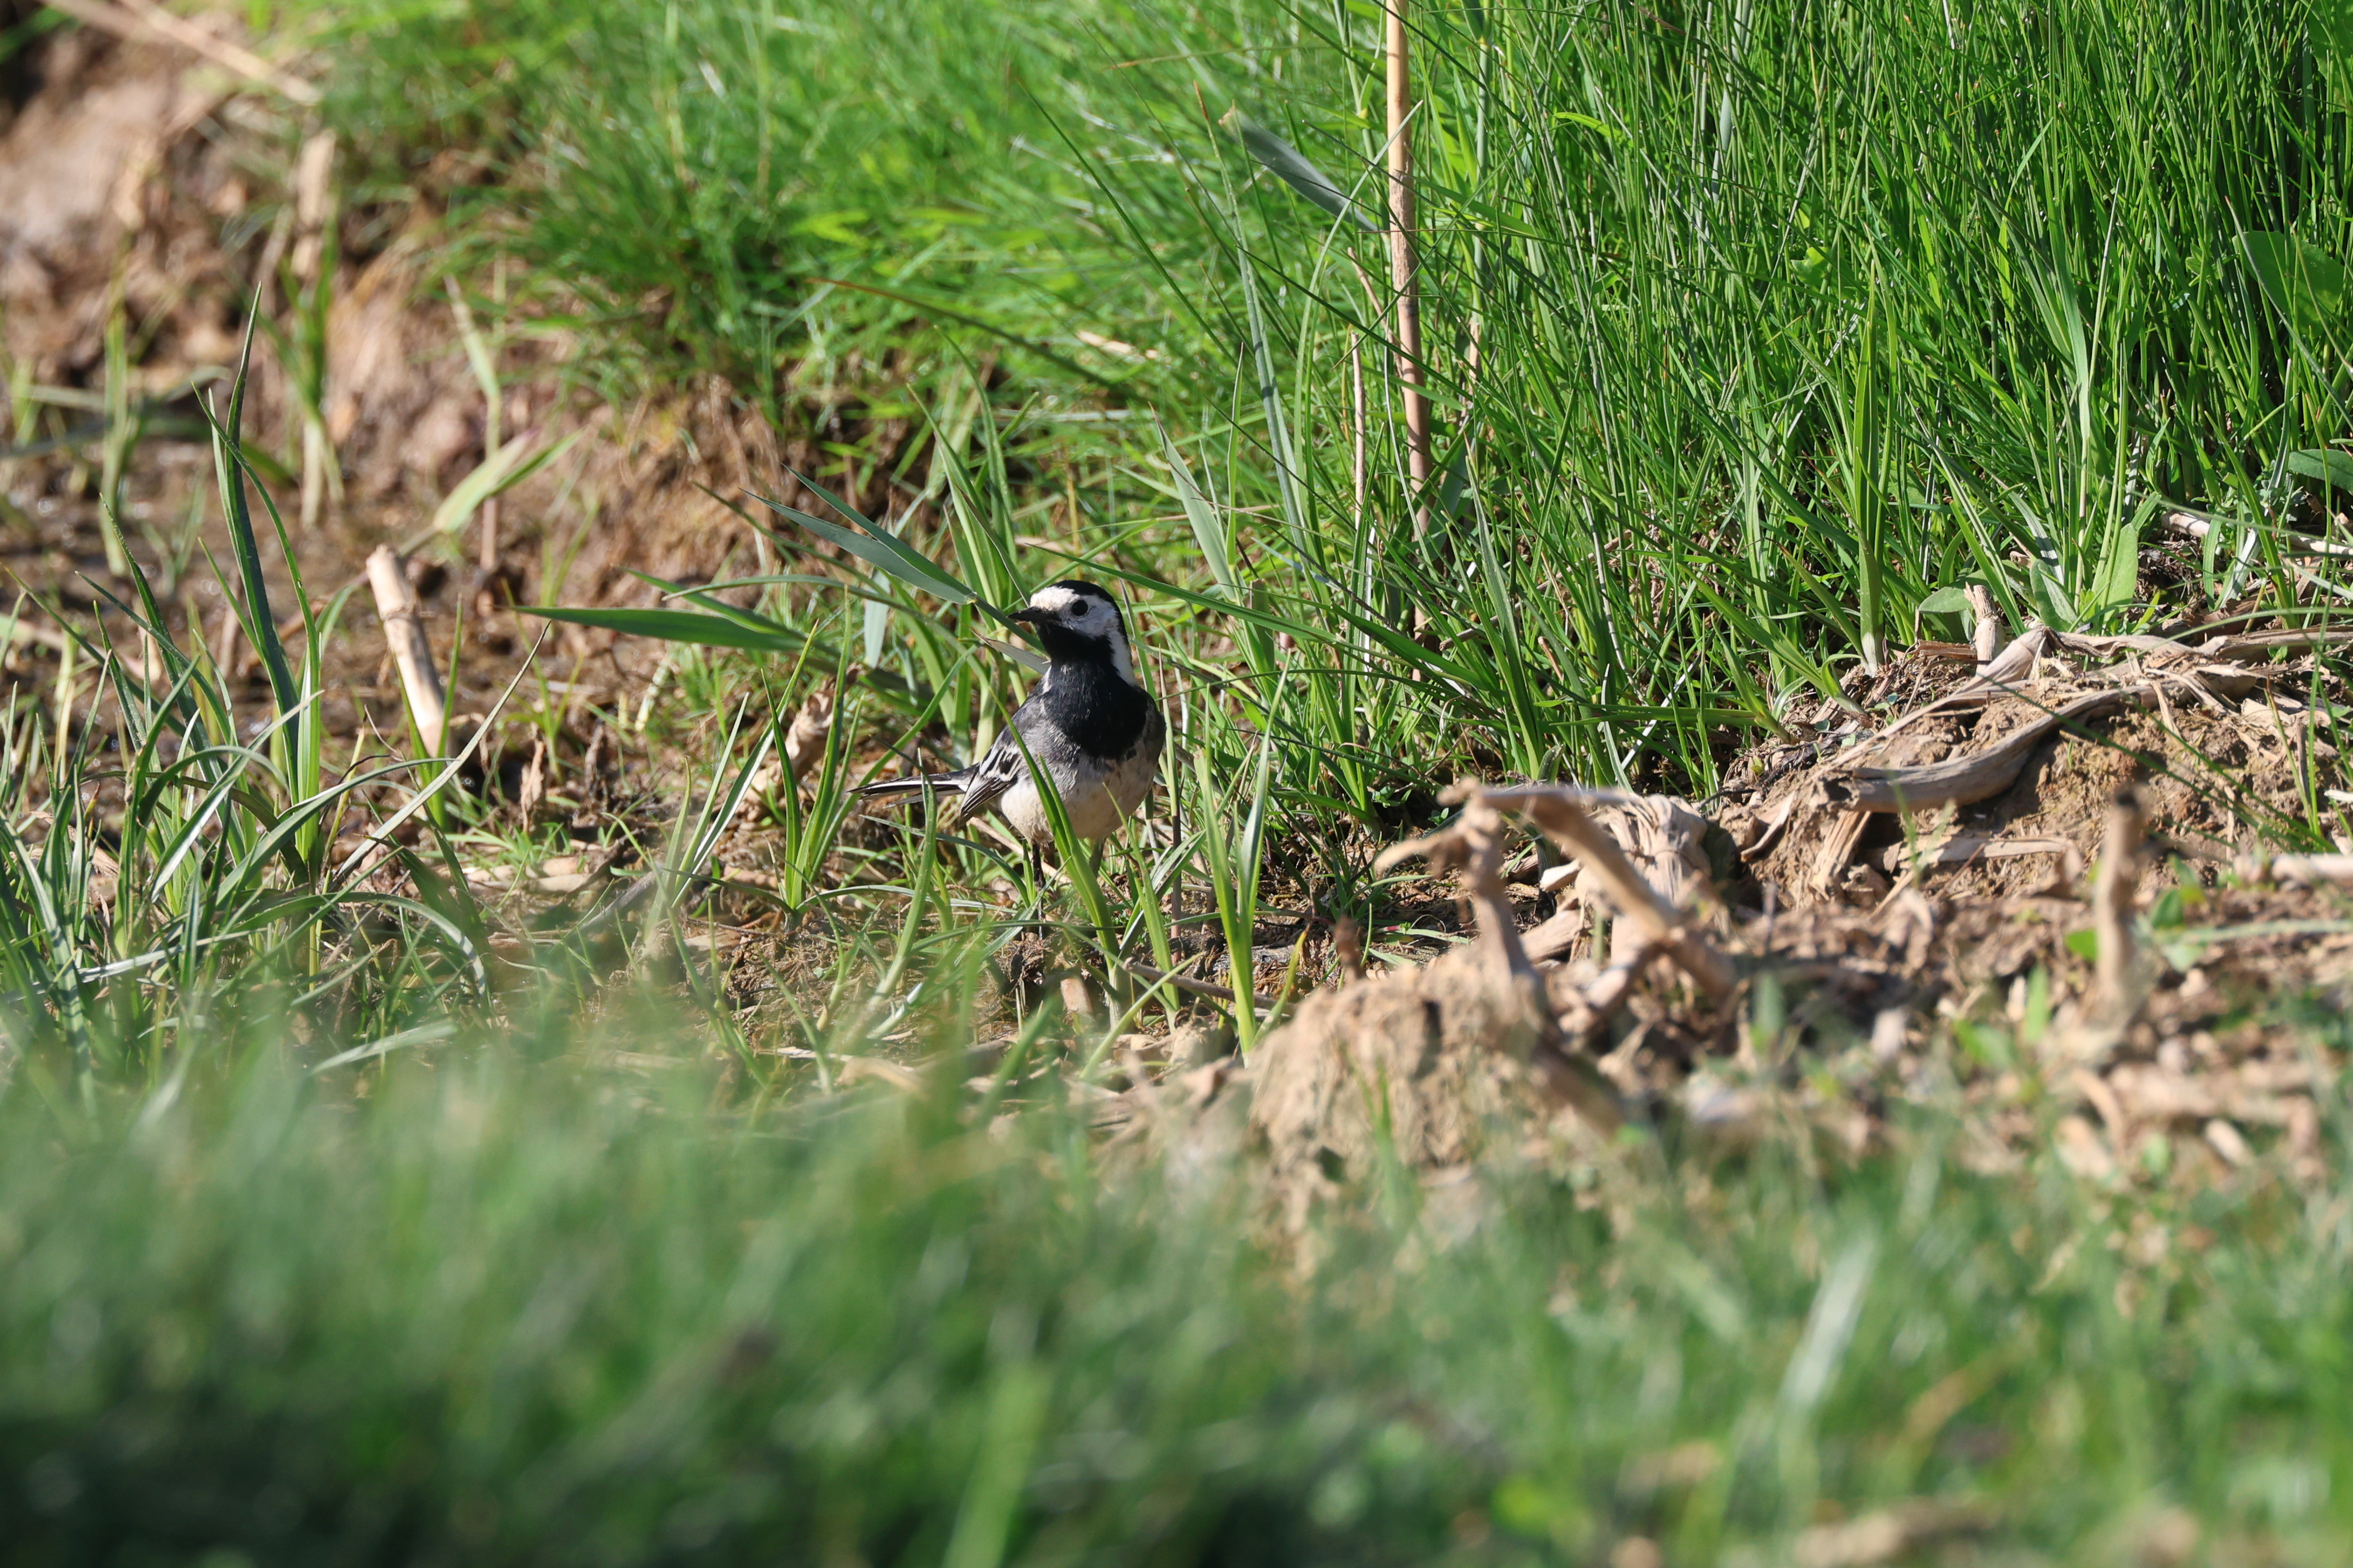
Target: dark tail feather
{"points": [[941, 783]]}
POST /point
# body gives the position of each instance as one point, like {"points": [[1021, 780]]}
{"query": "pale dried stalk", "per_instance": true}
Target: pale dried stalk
{"points": [[2121, 979], [2189, 525], [2311, 870], [2112, 899], [314, 192], [1401, 271], [23, 631], [314, 209], [804, 743], [1985, 635], [1556, 810], [130, 18], [404, 635]]}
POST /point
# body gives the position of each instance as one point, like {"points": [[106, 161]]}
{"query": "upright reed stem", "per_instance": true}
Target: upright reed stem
{"points": [[1401, 273]]}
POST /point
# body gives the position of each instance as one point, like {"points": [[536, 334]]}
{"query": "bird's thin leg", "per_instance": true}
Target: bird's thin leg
{"points": [[1037, 863]]}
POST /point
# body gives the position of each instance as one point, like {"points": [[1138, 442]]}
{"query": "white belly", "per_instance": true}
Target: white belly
{"points": [[1095, 810]]}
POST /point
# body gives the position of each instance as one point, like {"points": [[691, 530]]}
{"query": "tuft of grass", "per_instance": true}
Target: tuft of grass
{"points": [[148, 869]]}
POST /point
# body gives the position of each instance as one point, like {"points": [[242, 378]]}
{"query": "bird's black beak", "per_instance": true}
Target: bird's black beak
{"points": [[1027, 618]]}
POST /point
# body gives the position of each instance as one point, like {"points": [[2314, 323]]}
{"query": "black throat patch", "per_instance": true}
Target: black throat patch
{"points": [[1088, 700]]}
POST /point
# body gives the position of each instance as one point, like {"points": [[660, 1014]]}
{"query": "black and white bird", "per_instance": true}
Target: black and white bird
{"points": [[1089, 722]]}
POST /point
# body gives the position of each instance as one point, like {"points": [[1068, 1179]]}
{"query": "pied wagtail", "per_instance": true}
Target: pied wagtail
{"points": [[1088, 721]]}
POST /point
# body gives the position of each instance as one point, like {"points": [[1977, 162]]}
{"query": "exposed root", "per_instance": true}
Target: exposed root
{"points": [[1559, 811]]}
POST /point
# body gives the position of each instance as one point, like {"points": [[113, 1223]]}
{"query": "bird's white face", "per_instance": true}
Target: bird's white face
{"points": [[1086, 615], [1082, 614]]}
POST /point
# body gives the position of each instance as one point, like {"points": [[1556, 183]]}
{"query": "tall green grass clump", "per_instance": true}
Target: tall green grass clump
{"points": [[1758, 332], [1790, 317], [165, 854], [1755, 332], [775, 190]]}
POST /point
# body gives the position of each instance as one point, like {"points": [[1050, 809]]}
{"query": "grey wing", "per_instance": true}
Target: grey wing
{"points": [[998, 770]]}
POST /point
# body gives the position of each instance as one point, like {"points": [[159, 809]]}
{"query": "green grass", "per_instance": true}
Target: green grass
{"points": [[699, 181], [537, 1314], [1788, 318], [514, 1310]]}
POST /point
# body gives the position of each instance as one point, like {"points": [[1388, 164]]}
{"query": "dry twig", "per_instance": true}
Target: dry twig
{"points": [[804, 743], [2310, 870], [1186, 984], [1985, 635], [2111, 898], [1402, 271], [2122, 980], [134, 18], [404, 635]]}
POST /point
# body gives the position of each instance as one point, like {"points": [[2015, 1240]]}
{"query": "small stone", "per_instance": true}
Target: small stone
{"points": [[2227, 1141], [1197, 1045], [1887, 1034], [2081, 1150]]}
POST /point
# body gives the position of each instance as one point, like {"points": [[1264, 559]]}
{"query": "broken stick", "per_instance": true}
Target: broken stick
{"points": [[404, 635], [2310, 870], [1985, 633], [804, 743], [2121, 981], [2112, 899]]}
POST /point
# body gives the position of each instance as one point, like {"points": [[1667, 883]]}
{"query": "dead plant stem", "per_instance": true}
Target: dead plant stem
{"points": [[1401, 267]]}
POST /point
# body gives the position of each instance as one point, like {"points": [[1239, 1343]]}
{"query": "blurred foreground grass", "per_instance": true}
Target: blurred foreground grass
{"points": [[511, 1309]]}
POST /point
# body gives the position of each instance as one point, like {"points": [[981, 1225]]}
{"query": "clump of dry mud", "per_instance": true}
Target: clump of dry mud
{"points": [[1913, 912]]}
